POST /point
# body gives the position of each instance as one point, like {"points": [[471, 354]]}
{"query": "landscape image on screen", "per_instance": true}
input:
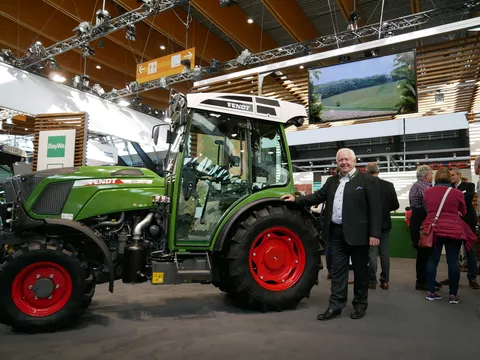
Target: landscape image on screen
{"points": [[376, 86]]}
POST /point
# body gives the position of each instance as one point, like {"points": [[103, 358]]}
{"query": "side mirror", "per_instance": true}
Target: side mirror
{"points": [[297, 121], [155, 134], [170, 136]]}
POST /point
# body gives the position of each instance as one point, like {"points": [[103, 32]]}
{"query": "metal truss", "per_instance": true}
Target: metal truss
{"points": [[386, 29], [86, 32]]}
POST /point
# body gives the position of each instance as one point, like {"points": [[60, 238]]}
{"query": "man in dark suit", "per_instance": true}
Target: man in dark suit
{"points": [[470, 218], [389, 204], [352, 223]]}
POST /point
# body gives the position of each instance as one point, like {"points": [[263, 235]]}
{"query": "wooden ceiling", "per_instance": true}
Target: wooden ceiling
{"points": [[215, 32]]}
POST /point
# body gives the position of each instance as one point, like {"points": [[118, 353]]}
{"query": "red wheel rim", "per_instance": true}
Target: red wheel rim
{"points": [[41, 289], [277, 259]]}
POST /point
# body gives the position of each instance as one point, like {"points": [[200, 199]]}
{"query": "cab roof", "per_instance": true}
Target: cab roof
{"points": [[258, 107]]}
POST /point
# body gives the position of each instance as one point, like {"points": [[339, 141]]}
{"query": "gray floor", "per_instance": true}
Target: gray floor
{"points": [[197, 321]]}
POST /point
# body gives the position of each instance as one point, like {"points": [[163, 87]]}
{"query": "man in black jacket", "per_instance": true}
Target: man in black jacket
{"points": [[352, 223], [470, 218], [389, 203]]}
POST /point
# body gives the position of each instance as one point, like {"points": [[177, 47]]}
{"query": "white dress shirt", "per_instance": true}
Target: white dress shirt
{"points": [[338, 200]]}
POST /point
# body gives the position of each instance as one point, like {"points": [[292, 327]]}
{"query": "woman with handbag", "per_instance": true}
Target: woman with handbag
{"points": [[444, 227]]}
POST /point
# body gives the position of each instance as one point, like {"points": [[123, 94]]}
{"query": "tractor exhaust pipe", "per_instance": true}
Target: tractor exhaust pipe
{"points": [[137, 231]]}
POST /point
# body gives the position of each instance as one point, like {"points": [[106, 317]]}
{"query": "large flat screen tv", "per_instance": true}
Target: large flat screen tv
{"points": [[376, 86]]}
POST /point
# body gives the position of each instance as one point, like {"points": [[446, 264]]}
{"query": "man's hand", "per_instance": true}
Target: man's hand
{"points": [[288, 197], [374, 241]]}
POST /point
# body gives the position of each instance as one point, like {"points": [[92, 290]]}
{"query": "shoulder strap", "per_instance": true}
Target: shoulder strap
{"points": [[441, 204]]}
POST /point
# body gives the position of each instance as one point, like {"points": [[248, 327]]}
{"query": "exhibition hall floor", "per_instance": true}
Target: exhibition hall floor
{"points": [[197, 321]]}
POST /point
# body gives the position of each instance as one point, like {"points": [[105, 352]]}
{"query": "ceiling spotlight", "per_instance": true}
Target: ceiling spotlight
{"points": [[163, 83], [162, 47], [98, 67], [133, 86], [344, 58], [36, 49], [301, 66], [6, 56], [98, 90], [131, 33], [250, 21], [83, 29], [352, 20], [197, 73], [243, 58], [102, 17], [214, 66]]}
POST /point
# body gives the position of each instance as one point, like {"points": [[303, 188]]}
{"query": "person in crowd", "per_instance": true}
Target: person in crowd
{"points": [[468, 190], [389, 204], [408, 215], [352, 223], [419, 213], [449, 231]]}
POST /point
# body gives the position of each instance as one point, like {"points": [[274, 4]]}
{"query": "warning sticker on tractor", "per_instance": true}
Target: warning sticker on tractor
{"points": [[111, 181], [157, 277]]}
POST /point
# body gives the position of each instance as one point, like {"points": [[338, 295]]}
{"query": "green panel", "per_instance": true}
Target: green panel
{"points": [[400, 241], [89, 180], [174, 193], [116, 200]]}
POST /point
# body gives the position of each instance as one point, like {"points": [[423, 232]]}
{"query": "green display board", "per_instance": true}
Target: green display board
{"points": [[400, 241]]}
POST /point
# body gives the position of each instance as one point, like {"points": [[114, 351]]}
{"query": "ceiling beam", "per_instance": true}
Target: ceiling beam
{"points": [[233, 22], [206, 43], [60, 26], [145, 46], [18, 38], [291, 16]]}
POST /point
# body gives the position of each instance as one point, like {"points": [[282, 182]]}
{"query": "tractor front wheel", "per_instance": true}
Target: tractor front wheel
{"points": [[44, 286], [274, 258]]}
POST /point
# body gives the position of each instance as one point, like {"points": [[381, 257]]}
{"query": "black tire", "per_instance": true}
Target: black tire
{"points": [[248, 292], [64, 258]]}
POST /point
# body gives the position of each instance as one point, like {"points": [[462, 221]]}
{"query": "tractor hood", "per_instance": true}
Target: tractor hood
{"points": [[100, 175]]}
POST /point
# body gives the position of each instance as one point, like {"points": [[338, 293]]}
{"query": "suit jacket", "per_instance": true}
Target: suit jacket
{"points": [[389, 203], [468, 190], [362, 207]]}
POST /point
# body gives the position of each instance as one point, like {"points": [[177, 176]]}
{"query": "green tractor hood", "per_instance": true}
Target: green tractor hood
{"points": [[83, 192]]}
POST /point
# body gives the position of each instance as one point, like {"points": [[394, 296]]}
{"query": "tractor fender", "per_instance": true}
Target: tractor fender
{"points": [[222, 236], [92, 236]]}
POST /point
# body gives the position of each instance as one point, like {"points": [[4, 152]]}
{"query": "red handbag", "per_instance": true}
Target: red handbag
{"points": [[427, 235]]}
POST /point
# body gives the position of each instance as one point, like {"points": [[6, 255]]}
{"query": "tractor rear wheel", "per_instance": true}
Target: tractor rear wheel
{"points": [[274, 258], [44, 286]]}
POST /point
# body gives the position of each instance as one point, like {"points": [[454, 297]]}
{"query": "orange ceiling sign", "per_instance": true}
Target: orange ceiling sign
{"points": [[165, 66]]}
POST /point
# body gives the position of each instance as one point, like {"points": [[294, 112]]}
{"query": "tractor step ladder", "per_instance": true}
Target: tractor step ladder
{"points": [[196, 264]]}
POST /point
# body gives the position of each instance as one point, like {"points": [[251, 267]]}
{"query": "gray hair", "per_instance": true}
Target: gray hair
{"points": [[423, 171], [372, 168], [347, 150]]}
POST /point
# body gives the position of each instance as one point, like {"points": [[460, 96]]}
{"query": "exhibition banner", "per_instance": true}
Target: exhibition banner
{"points": [[56, 149]]}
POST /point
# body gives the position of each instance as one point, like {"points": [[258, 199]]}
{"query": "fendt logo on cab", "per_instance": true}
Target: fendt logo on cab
{"points": [[238, 106]]}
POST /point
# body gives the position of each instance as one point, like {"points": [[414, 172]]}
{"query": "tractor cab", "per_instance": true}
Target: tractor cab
{"points": [[223, 148]]}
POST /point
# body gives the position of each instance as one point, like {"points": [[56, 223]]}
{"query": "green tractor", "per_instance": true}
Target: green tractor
{"points": [[210, 214]]}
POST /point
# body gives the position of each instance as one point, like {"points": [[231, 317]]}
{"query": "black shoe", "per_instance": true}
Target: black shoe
{"points": [[328, 315], [422, 287], [438, 285], [357, 314]]}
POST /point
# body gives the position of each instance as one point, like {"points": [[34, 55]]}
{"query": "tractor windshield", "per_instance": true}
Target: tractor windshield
{"points": [[226, 157]]}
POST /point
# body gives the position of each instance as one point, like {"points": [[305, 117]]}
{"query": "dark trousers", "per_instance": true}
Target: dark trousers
{"points": [[328, 257], [472, 263], [418, 215], [383, 252], [452, 249], [341, 252]]}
